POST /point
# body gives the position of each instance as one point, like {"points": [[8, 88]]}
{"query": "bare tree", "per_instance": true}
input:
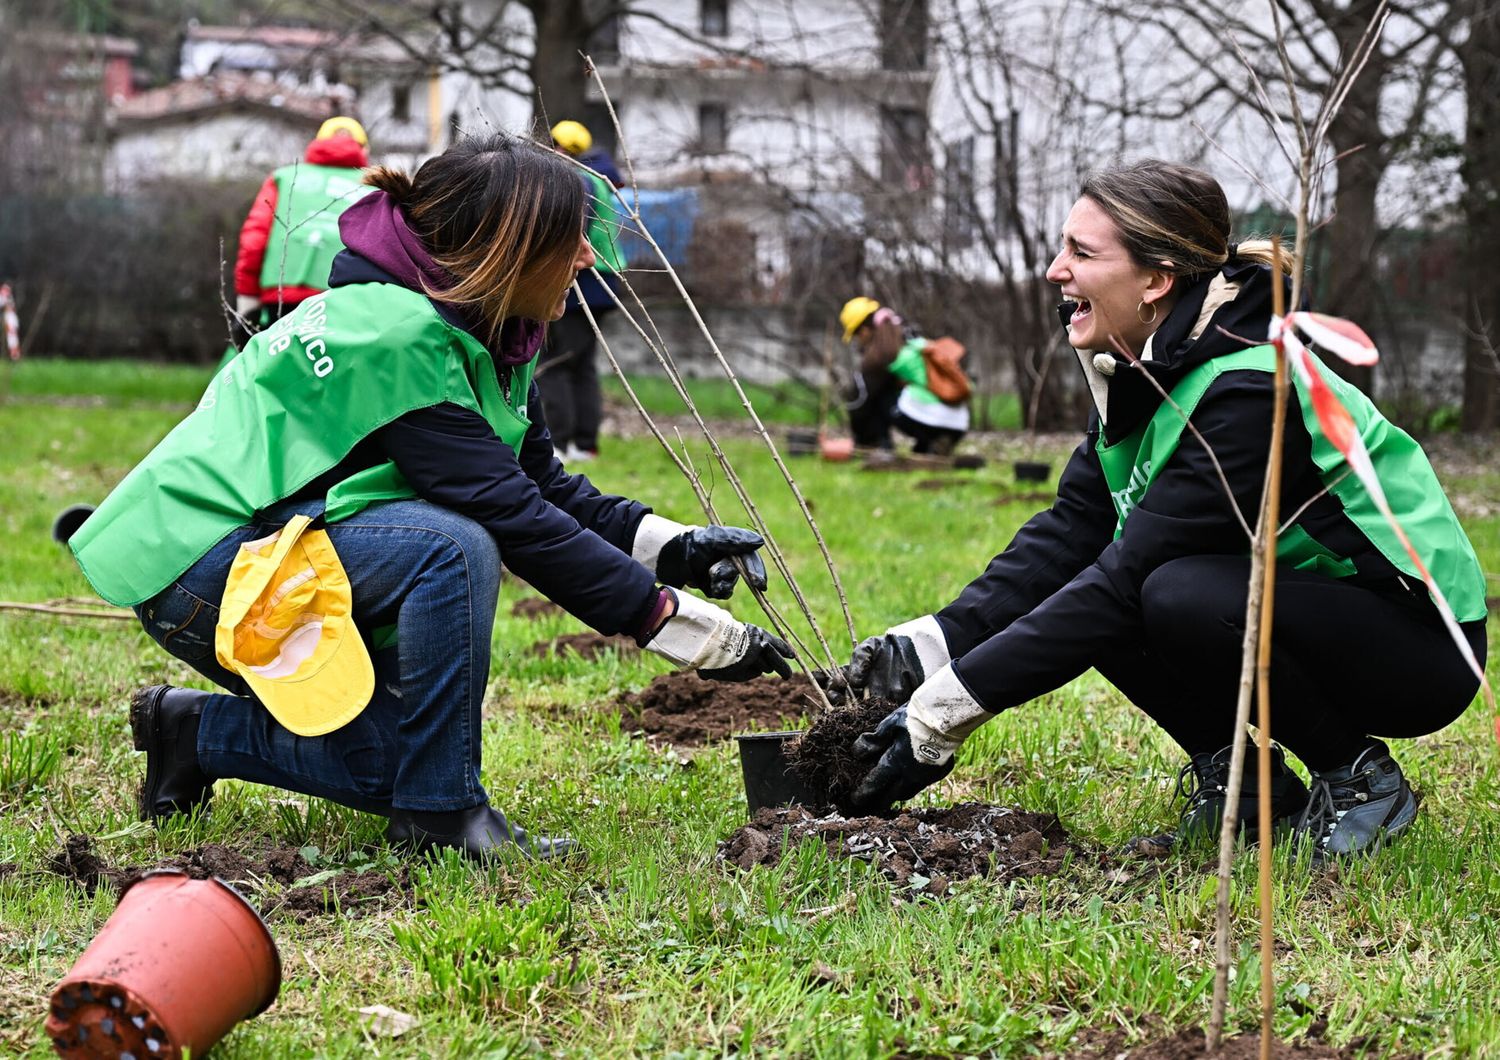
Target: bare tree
{"points": [[1479, 55], [1384, 117]]}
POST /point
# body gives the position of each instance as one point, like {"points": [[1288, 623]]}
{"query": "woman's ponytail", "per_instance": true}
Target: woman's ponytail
{"points": [[1263, 252], [394, 182]]}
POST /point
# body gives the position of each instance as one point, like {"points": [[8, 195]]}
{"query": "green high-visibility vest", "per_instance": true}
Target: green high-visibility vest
{"points": [[1412, 488], [604, 226], [911, 368], [304, 237], [293, 404]]}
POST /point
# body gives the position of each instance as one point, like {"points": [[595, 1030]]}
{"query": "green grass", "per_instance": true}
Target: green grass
{"points": [[651, 948]]}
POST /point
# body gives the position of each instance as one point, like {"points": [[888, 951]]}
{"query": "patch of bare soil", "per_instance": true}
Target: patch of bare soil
{"points": [[923, 850], [534, 607], [585, 645], [943, 483], [822, 758], [689, 711], [1189, 1043], [344, 891], [889, 460]]}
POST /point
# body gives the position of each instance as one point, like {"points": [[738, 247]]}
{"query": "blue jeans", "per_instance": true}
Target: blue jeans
{"points": [[431, 573]]}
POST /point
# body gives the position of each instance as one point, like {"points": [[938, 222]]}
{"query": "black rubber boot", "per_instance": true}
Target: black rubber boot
{"points": [[1356, 807], [1204, 781], [164, 724], [481, 832]]}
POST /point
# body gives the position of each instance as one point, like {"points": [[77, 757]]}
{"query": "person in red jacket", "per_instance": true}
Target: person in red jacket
{"points": [[289, 241]]}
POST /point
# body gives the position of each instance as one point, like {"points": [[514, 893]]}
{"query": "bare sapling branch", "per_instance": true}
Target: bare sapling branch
{"points": [[705, 501], [669, 365], [728, 371]]}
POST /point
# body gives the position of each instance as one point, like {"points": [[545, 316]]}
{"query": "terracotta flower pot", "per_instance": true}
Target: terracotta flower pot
{"points": [[836, 449], [178, 963]]}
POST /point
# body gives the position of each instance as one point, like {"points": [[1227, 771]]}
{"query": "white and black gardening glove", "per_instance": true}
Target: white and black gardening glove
{"points": [[912, 748], [707, 638], [892, 665], [698, 557]]}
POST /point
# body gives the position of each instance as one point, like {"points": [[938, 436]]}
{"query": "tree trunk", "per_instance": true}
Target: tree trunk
{"points": [[562, 33], [1480, 56], [1347, 290]]}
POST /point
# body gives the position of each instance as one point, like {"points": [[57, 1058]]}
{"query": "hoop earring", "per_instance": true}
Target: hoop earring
{"points": [[1141, 305]]}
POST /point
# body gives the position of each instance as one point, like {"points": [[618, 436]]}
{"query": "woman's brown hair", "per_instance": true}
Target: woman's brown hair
{"points": [[1173, 217], [495, 211]]}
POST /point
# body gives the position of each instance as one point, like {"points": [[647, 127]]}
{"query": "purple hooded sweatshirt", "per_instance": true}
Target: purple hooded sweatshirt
{"points": [[376, 230]]}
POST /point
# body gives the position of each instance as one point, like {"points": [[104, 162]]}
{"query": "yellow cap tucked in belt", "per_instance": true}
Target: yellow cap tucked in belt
{"points": [[286, 626]]}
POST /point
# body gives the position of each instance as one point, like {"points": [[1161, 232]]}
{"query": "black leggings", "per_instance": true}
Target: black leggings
{"points": [[1347, 662]]}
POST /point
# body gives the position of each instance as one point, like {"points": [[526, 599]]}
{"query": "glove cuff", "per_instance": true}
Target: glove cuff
{"points": [[700, 636], [650, 536], [941, 715], [927, 637]]}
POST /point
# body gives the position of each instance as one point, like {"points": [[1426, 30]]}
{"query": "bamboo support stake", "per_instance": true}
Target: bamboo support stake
{"points": [[1267, 544]]}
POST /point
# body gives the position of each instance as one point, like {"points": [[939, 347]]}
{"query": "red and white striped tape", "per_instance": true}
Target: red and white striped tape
{"points": [[12, 323]]}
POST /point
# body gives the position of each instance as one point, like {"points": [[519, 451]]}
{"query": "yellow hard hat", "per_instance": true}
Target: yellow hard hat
{"points": [[342, 124], [855, 312], [573, 137]]}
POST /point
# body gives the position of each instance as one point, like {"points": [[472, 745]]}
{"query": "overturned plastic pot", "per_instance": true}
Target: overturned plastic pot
{"points": [[178, 963], [768, 781]]}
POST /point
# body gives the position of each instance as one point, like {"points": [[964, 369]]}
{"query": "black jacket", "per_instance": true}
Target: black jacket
{"points": [[1064, 590], [554, 529]]}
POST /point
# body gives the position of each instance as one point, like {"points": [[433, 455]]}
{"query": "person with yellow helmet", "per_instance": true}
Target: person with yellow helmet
{"points": [[894, 384], [569, 377], [291, 236]]}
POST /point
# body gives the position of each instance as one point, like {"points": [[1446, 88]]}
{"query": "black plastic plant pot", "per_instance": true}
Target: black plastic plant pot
{"points": [[801, 442], [1032, 471], [767, 779], [69, 520]]}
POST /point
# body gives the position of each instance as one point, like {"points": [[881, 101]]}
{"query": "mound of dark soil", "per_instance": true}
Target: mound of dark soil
{"points": [[822, 758], [943, 483], [1188, 1044], [585, 645], [689, 711], [343, 891], [534, 607], [924, 850]]}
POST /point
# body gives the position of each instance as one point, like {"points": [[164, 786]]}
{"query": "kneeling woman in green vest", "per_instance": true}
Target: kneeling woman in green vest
{"points": [[322, 537], [1139, 569]]}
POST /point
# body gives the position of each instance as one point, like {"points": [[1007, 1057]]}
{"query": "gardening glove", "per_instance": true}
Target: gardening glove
{"points": [[248, 306], [707, 638], [699, 557], [912, 748], [892, 665]]}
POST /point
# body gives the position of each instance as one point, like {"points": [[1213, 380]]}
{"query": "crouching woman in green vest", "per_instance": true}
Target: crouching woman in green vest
{"points": [[322, 537], [1139, 569]]}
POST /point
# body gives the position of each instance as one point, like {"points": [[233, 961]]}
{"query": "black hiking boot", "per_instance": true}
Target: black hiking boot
{"points": [[480, 832], [164, 724], [1204, 781], [1355, 808]]}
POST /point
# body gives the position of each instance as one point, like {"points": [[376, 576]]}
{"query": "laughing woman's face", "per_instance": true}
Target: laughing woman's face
{"points": [[1095, 270]]}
